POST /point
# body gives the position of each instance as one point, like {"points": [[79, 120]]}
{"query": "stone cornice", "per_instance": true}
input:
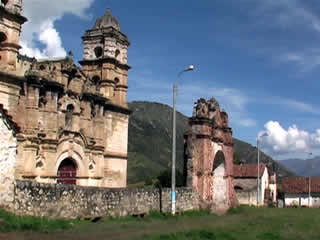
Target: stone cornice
{"points": [[35, 79], [105, 60], [106, 32], [116, 155], [93, 96], [11, 78], [10, 45], [19, 18], [117, 108]]}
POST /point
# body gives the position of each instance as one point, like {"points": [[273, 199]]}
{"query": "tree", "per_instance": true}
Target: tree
{"points": [[164, 179]]}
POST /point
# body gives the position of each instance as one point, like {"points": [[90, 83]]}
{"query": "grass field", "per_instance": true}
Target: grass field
{"points": [[241, 223]]}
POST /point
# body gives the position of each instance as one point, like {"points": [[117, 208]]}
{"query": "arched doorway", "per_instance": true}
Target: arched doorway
{"points": [[67, 172], [219, 186]]}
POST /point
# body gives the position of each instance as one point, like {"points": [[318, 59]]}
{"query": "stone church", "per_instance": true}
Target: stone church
{"points": [[62, 123]]}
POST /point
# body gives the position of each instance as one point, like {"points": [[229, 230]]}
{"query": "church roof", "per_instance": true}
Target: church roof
{"points": [[107, 21]]}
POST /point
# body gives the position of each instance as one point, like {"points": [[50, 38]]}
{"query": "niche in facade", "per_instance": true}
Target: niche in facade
{"points": [[96, 81], [117, 53], [68, 117]]}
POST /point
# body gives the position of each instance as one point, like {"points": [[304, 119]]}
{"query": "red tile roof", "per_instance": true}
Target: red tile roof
{"points": [[301, 185], [248, 170]]}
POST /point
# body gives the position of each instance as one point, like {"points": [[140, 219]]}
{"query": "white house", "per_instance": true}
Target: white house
{"points": [[245, 184], [296, 191]]}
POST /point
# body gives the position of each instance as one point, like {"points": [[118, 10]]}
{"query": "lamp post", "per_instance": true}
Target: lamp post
{"points": [[173, 170], [258, 178], [309, 196]]}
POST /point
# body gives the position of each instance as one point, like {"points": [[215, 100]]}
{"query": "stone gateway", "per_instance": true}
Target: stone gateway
{"points": [[209, 156]]}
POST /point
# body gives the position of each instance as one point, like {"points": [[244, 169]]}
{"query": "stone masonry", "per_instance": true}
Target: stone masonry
{"points": [[70, 201], [209, 156]]}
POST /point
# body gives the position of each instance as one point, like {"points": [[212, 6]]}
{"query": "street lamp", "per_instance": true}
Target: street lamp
{"points": [[173, 170], [309, 198], [258, 178]]}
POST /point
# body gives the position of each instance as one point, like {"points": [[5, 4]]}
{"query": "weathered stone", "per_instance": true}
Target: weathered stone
{"points": [[68, 117], [209, 156]]}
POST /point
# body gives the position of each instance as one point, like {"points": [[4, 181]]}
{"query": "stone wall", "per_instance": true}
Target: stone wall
{"points": [[8, 147], [71, 201], [247, 197]]}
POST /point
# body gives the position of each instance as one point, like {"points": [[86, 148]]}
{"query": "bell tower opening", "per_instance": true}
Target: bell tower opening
{"points": [[3, 37], [98, 51]]}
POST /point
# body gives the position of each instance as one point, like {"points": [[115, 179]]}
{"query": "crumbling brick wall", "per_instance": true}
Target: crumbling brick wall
{"points": [[209, 155]]}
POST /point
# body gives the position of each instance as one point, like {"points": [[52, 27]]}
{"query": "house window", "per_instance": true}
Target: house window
{"points": [[68, 117]]}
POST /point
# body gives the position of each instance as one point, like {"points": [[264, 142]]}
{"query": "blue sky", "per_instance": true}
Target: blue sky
{"points": [[259, 58]]}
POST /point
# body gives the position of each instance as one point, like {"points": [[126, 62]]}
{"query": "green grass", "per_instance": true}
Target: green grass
{"points": [[194, 235], [243, 223], [11, 223]]}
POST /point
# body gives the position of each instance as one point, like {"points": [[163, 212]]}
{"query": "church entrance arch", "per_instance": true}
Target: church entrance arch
{"points": [[219, 186], [67, 172]]}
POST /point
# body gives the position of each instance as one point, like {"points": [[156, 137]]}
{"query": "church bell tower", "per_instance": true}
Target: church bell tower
{"points": [[105, 58], [10, 29]]}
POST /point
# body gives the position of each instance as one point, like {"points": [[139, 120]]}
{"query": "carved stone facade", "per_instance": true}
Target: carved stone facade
{"points": [[209, 155], [73, 121]]}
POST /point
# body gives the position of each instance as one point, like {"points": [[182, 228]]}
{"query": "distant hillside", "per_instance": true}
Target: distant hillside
{"points": [[246, 153], [303, 167], [150, 137]]}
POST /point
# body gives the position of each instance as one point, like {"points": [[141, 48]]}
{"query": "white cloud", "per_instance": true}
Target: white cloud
{"points": [[289, 103], [42, 15], [286, 14], [290, 18], [293, 140], [300, 106]]}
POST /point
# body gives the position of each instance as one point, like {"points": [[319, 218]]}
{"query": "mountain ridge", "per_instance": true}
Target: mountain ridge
{"points": [[150, 137], [303, 167]]}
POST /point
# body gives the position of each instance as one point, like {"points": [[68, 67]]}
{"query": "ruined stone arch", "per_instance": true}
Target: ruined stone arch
{"points": [[219, 161], [219, 182]]}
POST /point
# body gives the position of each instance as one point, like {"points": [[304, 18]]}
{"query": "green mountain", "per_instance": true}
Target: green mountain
{"points": [[150, 138]]}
